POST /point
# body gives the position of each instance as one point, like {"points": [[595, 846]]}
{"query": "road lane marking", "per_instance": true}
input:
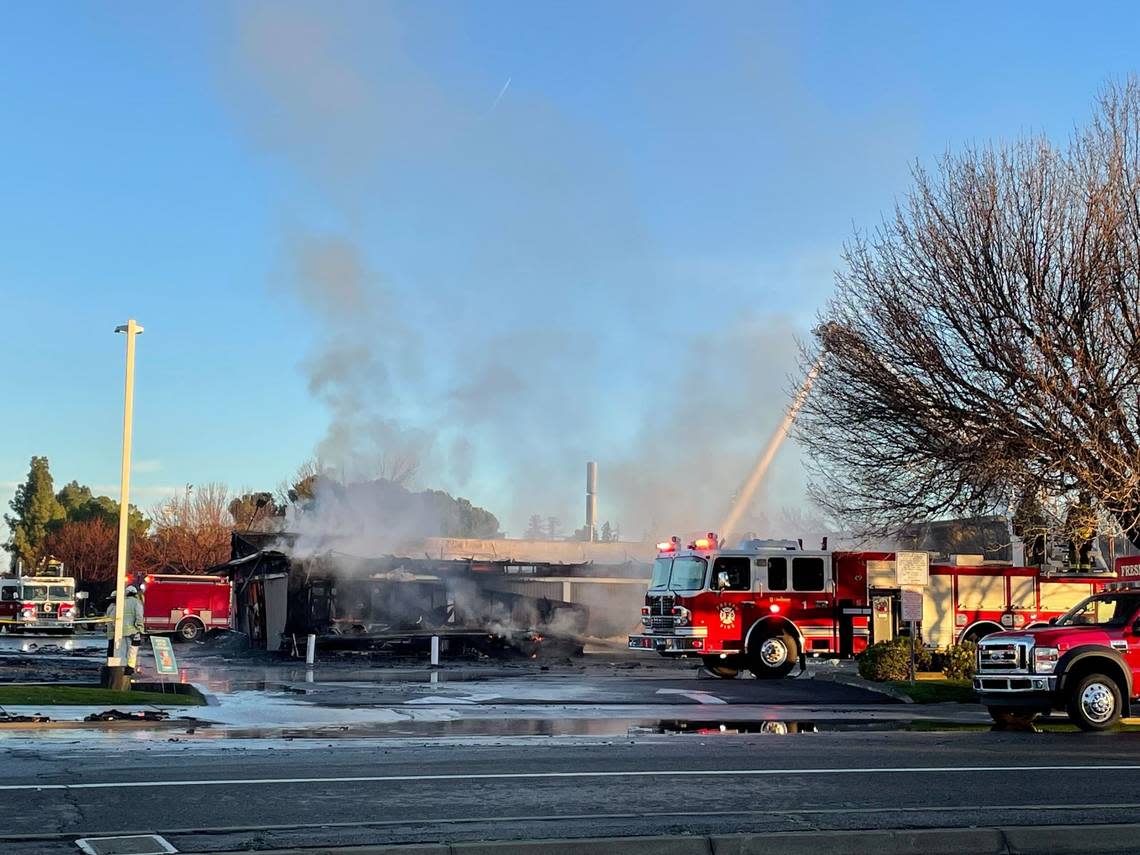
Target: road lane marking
{"points": [[502, 820], [516, 776], [699, 697]]}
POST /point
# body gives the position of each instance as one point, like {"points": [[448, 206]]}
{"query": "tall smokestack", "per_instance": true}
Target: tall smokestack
{"points": [[591, 501]]}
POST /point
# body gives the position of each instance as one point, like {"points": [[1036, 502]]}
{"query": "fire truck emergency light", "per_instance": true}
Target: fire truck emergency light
{"points": [[774, 608], [666, 546]]}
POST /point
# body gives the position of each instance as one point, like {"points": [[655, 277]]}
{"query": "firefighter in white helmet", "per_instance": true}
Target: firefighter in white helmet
{"points": [[133, 627]]}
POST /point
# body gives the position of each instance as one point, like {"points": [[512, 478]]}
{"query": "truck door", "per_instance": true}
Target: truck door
{"points": [[811, 592], [1121, 635]]}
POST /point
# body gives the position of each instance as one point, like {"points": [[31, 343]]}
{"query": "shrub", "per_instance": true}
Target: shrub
{"points": [[890, 660], [960, 661], [923, 656], [886, 660]]}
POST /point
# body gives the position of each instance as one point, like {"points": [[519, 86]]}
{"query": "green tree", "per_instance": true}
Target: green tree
{"points": [[250, 509], [534, 530], [34, 508], [80, 505], [607, 532]]}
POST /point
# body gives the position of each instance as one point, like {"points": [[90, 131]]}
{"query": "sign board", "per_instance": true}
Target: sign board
{"points": [[911, 606], [912, 569], [1129, 571], [164, 662]]}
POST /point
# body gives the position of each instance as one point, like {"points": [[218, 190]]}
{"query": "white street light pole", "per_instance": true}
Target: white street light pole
{"points": [[115, 660]]}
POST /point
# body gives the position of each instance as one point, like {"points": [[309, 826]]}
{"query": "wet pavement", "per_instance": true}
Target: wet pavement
{"points": [[607, 693], [258, 794]]}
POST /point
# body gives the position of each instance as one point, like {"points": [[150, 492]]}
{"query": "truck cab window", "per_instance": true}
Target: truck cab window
{"points": [[807, 574], [778, 574], [737, 568]]}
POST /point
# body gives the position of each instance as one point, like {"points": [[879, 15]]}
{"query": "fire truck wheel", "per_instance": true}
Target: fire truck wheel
{"points": [[722, 668], [1013, 717], [773, 656], [190, 630], [1094, 703]]}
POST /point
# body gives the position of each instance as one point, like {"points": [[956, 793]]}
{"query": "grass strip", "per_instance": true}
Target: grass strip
{"points": [[15, 694], [937, 691]]}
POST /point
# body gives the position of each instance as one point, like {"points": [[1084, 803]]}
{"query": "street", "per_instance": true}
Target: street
{"points": [[219, 797], [599, 747]]}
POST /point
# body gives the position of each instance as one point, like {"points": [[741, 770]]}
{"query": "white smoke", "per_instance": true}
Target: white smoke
{"points": [[506, 381]]}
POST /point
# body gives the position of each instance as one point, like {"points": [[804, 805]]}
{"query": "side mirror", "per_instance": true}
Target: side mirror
{"points": [[722, 579]]}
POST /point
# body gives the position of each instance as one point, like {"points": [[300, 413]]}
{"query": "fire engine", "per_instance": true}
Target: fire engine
{"points": [[38, 603], [186, 607], [766, 604], [1086, 662]]}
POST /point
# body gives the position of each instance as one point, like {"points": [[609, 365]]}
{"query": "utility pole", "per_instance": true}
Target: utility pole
{"points": [[113, 674]]}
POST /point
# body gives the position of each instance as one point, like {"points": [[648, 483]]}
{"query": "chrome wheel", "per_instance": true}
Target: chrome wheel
{"points": [[1098, 703], [773, 652]]}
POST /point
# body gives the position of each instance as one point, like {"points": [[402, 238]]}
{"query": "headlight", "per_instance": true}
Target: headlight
{"points": [[681, 615], [1044, 660]]}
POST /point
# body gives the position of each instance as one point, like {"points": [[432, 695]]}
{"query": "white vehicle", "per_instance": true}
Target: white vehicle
{"points": [[46, 602]]}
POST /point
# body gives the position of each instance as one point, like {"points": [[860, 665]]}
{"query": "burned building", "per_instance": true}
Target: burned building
{"points": [[514, 592]]}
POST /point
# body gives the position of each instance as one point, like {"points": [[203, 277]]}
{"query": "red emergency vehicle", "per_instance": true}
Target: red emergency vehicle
{"points": [[763, 605], [1086, 662], [186, 607]]}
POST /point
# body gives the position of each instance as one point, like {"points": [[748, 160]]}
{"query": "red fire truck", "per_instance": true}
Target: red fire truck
{"points": [[38, 603], [186, 607], [1086, 662], [760, 607]]}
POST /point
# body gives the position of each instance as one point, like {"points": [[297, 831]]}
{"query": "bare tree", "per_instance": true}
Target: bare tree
{"points": [[191, 532], [984, 343], [87, 548]]}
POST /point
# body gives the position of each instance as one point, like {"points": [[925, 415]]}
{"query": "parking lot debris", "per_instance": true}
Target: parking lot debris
{"points": [[119, 715]]}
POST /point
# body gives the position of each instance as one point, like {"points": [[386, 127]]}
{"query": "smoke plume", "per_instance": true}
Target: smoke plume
{"points": [[525, 327]]}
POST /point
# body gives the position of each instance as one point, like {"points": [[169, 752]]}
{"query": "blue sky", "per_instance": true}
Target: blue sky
{"points": [[505, 237]]}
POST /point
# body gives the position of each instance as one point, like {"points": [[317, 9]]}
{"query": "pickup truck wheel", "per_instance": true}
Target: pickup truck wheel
{"points": [[1013, 717], [190, 630], [726, 669], [1094, 703], [773, 656]]}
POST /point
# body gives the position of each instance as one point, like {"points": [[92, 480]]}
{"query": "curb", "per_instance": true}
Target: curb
{"points": [[860, 683], [1011, 840]]}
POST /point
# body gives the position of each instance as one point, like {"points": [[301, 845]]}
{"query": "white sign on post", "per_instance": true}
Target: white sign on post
{"points": [[912, 569]]}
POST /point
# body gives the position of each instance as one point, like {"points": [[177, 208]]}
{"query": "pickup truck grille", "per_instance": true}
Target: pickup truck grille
{"points": [[1004, 656]]}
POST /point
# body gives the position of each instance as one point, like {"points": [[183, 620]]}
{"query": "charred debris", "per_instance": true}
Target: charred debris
{"points": [[489, 598]]}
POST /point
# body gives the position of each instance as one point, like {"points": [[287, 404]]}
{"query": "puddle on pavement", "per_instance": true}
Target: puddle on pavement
{"points": [[554, 727], [619, 728]]}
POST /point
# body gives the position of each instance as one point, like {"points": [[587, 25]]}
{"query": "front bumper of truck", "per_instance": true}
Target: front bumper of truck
{"points": [[1016, 690], [1005, 678], [679, 642]]}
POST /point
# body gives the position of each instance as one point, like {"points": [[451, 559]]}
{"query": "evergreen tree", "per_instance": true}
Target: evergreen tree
{"points": [[534, 529], [34, 508]]}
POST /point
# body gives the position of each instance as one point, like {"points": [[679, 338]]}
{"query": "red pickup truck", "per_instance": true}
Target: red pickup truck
{"points": [[1086, 662]]}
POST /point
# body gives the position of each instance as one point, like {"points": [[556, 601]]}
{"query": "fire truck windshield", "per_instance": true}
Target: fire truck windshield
{"points": [[1109, 610], [54, 593], [686, 573]]}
